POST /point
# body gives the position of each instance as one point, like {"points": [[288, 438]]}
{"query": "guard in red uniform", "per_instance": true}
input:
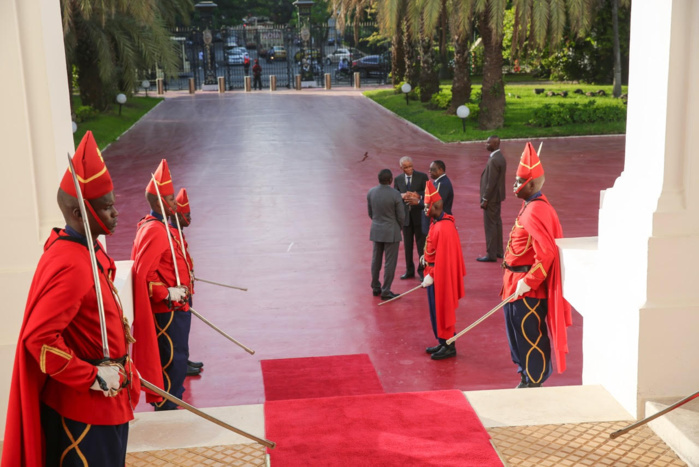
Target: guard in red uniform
{"points": [[444, 273], [533, 274], [184, 214], [161, 292], [59, 413]]}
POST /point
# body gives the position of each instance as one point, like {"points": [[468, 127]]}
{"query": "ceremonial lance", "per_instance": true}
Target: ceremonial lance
{"points": [[177, 273]]}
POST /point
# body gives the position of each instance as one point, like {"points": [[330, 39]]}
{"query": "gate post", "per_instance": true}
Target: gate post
{"points": [[328, 81], [357, 80], [248, 87], [221, 84], [272, 82], [192, 88], [297, 82], [159, 85]]}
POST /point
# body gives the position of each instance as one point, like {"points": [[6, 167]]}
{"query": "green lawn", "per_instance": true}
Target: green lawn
{"points": [[521, 102], [108, 126]]}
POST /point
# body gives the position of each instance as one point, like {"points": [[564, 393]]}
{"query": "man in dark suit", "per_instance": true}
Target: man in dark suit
{"points": [[492, 194], [446, 191], [411, 185], [387, 213]]}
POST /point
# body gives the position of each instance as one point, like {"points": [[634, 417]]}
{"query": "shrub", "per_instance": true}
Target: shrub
{"points": [[589, 112], [441, 100], [85, 113]]}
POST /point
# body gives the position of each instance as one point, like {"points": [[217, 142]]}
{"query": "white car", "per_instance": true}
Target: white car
{"points": [[237, 55], [337, 55]]}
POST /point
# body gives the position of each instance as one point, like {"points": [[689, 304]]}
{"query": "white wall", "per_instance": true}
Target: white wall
{"points": [[35, 131], [639, 330]]}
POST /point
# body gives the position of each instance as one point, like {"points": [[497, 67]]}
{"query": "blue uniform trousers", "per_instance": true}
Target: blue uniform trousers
{"points": [[433, 313], [528, 337], [70, 443], [173, 342]]}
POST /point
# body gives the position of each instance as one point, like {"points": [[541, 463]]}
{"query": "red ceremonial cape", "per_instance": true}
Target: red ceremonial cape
{"points": [[449, 272], [148, 248], [541, 221], [63, 276]]}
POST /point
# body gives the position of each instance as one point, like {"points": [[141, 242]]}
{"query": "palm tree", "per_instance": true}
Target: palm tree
{"points": [[616, 91], [108, 41], [538, 22]]}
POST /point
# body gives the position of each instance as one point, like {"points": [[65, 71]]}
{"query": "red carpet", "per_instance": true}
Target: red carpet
{"points": [[304, 378], [410, 429]]}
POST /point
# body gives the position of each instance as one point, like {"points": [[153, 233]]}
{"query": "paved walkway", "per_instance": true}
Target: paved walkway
{"points": [[278, 194]]}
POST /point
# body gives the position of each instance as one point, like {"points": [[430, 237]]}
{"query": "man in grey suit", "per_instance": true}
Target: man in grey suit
{"points": [[492, 194], [387, 213], [411, 185]]}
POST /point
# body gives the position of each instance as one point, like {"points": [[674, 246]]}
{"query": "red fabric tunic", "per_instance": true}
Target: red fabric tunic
{"points": [[533, 243], [60, 331], [178, 241], [443, 252], [153, 273]]}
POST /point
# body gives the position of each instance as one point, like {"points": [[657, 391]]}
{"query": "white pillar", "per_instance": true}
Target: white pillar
{"points": [[639, 336], [35, 133]]}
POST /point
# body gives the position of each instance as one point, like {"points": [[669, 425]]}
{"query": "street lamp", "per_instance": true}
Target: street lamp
{"points": [[406, 88], [145, 84], [462, 112], [74, 126], [121, 100]]}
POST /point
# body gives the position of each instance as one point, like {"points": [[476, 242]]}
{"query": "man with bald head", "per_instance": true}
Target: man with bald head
{"points": [[492, 194], [411, 186]]}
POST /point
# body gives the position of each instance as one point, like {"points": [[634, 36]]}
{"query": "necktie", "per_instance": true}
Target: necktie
{"points": [[407, 185]]}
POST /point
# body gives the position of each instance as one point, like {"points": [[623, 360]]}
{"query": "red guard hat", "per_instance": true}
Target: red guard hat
{"points": [[90, 169], [164, 179], [182, 201], [529, 165], [431, 193]]}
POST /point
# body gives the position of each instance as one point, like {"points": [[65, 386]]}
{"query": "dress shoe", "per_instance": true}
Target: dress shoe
{"points": [[191, 371], [389, 296], [435, 349], [195, 364], [447, 351], [485, 259], [407, 276], [376, 292]]}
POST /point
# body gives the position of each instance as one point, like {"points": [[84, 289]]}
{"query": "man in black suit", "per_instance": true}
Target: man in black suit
{"points": [[411, 185], [387, 213], [492, 194], [446, 191]]}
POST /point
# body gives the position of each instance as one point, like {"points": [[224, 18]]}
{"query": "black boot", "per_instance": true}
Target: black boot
{"points": [[523, 382], [433, 350], [447, 351]]}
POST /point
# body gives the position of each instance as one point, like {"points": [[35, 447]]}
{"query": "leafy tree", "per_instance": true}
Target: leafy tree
{"points": [[108, 41]]}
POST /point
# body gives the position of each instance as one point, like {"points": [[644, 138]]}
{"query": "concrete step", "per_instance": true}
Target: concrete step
{"points": [[679, 428]]}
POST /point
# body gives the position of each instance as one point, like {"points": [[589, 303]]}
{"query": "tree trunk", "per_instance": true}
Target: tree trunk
{"points": [[443, 30], [492, 106], [92, 89], [429, 79], [412, 71], [398, 57], [461, 85], [616, 91]]}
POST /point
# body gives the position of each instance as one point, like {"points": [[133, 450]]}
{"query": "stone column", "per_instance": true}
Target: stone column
{"points": [[35, 133]]}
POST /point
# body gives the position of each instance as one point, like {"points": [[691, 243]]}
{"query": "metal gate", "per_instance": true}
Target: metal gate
{"points": [[283, 52]]}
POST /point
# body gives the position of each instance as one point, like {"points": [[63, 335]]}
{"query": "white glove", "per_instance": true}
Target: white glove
{"points": [[422, 261], [176, 294], [427, 281], [522, 288], [109, 374]]}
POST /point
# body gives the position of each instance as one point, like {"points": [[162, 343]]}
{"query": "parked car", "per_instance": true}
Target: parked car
{"points": [[237, 55], [276, 53], [337, 55], [377, 64]]}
